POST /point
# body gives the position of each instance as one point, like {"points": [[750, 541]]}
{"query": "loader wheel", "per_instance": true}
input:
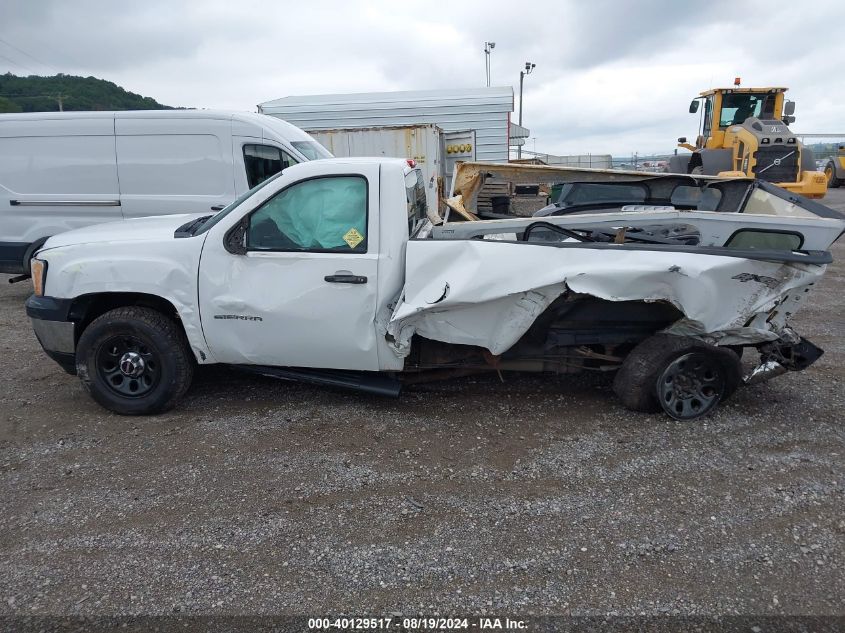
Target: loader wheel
{"points": [[830, 173], [697, 171], [134, 361], [683, 376]]}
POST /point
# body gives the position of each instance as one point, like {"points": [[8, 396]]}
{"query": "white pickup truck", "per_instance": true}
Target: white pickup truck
{"points": [[336, 272]]}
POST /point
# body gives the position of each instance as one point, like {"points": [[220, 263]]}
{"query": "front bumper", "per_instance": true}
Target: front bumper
{"points": [[779, 357], [54, 329], [813, 184]]}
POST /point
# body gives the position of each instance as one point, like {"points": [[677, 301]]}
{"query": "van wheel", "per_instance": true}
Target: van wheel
{"points": [[683, 376], [134, 361]]}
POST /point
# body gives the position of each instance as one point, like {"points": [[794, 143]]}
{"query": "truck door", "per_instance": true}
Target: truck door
{"points": [[303, 293]]}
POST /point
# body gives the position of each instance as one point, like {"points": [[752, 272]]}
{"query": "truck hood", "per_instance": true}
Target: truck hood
{"points": [[155, 228]]}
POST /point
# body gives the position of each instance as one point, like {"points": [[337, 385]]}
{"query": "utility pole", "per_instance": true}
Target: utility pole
{"points": [[528, 68], [488, 48]]}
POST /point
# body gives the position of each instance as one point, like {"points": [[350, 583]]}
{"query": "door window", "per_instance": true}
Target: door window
{"points": [[318, 215], [707, 117], [263, 161], [772, 240]]}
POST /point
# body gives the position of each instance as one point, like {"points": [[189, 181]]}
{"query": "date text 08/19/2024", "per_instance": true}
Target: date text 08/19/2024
{"points": [[416, 623]]}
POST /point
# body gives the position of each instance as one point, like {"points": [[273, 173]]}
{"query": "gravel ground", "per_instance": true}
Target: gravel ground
{"points": [[529, 495]]}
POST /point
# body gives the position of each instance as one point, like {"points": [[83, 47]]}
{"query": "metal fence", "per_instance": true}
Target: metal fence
{"points": [[824, 146], [596, 161]]}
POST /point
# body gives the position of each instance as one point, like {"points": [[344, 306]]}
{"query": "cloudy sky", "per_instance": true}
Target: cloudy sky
{"points": [[612, 75]]}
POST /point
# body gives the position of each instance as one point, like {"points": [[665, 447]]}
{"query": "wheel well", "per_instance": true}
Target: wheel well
{"points": [[88, 307], [30, 251]]}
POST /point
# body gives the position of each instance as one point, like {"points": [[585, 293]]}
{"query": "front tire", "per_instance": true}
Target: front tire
{"points": [[134, 361], [684, 377], [830, 172]]}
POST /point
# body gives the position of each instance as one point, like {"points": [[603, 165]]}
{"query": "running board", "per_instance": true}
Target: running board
{"points": [[367, 381]]}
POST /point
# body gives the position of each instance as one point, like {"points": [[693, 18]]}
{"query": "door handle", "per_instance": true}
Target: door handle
{"points": [[218, 207], [345, 279]]}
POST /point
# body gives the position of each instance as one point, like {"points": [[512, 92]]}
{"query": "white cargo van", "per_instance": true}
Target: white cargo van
{"points": [[65, 170]]}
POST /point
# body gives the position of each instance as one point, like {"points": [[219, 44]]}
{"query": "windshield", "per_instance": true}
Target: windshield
{"points": [[738, 106], [214, 219], [312, 150]]}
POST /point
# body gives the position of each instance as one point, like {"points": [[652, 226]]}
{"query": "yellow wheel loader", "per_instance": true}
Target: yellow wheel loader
{"points": [[744, 131], [834, 169]]}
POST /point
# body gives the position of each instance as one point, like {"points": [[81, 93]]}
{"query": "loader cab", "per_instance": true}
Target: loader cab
{"points": [[724, 107]]}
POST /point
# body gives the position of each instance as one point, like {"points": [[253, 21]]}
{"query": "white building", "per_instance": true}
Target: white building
{"points": [[485, 110]]}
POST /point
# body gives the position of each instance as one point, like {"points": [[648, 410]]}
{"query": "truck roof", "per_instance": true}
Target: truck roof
{"points": [[707, 93], [369, 160]]}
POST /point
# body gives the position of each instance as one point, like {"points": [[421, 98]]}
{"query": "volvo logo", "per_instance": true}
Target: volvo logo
{"points": [[776, 161]]}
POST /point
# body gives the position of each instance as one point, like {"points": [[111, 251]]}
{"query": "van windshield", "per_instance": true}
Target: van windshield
{"points": [[312, 150], [214, 219]]}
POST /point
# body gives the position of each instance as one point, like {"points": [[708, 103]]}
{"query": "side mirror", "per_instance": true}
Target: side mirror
{"points": [[693, 106], [235, 240], [789, 108], [682, 139]]}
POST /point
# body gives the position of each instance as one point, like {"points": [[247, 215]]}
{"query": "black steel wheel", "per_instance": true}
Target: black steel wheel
{"points": [[691, 385], [128, 366], [134, 361], [684, 376]]}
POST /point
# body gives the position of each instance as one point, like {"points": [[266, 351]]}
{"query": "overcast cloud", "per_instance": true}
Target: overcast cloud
{"points": [[611, 76]]}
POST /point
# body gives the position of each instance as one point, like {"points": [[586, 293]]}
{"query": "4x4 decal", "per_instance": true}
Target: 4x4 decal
{"points": [[771, 282]]}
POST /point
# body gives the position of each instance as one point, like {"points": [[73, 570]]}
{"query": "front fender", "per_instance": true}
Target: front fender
{"points": [[168, 271]]}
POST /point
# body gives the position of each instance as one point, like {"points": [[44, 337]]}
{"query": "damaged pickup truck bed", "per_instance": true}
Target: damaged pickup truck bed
{"points": [[336, 272]]}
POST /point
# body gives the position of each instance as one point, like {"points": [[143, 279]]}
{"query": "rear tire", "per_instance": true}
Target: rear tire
{"points": [[134, 361], [663, 366]]}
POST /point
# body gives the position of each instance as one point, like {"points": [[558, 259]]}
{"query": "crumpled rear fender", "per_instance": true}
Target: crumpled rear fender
{"points": [[488, 293]]}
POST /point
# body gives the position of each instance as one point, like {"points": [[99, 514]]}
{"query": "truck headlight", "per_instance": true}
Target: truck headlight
{"points": [[38, 270]]}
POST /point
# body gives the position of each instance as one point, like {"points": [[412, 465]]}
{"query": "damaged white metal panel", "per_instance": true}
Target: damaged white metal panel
{"points": [[488, 293], [136, 256], [469, 177], [714, 227]]}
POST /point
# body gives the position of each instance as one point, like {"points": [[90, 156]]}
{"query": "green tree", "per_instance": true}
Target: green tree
{"points": [[45, 94], [7, 105]]}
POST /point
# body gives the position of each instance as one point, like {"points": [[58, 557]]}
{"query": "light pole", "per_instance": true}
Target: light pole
{"points": [[528, 68], [488, 48]]}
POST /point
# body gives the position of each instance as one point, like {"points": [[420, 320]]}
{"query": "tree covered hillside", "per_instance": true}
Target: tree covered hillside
{"points": [[67, 92]]}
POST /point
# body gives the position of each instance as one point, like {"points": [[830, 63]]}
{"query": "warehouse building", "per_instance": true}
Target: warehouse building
{"points": [[485, 110]]}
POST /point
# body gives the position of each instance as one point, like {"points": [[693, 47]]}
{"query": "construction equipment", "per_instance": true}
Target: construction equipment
{"points": [[744, 131], [834, 169]]}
